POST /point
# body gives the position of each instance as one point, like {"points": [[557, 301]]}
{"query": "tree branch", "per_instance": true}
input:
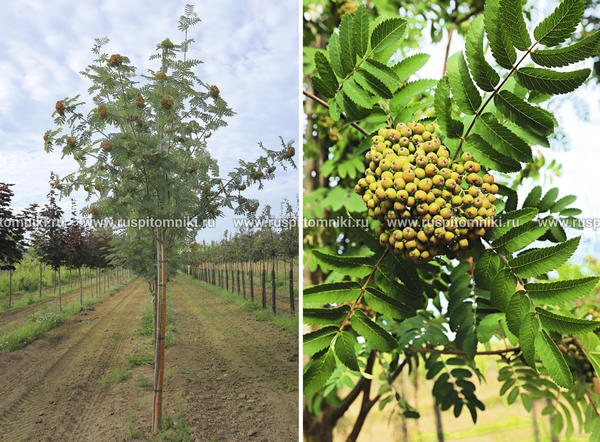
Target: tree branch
{"points": [[324, 104]]}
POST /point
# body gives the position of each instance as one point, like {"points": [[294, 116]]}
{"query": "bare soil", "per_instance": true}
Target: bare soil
{"points": [[228, 376]]}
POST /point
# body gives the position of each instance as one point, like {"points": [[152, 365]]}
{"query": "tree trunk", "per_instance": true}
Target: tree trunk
{"points": [[534, 422], [237, 273], [59, 292], [273, 304], [54, 281], [159, 365], [251, 284], [80, 289], [292, 304], [243, 282], [40, 280], [264, 286], [554, 437], [438, 422], [9, 288]]}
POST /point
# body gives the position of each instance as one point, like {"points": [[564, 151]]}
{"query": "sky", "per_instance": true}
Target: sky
{"points": [[249, 50]]}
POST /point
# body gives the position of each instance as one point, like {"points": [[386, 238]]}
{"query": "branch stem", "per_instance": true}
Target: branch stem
{"points": [[324, 104]]}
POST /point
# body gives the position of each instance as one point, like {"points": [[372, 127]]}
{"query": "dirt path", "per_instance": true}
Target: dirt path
{"points": [[228, 376], [18, 316]]}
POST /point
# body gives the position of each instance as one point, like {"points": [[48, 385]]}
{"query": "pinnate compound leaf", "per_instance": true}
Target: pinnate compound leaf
{"points": [[538, 261], [561, 291], [483, 74], [345, 351], [318, 372], [464, 91], [552, 82], [552, 58], [559, 25], [512, 13], [376, 336], [553, 360], [502, 48]]}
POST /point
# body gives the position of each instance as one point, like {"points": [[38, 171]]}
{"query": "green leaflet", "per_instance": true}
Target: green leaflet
{"points": [[317, 372], [486, 268], [325, 316], [335, 55], [561, 291], [506, 141], [326, 74], [383, 73], [408, 66], [586, 47], [347, 54], [376, 336], [559, 25], [548, 200], [562, 203], [344, 349], [502, 48], [537, 261], [322, 87], [553, 360], [527, 332], [348, 265], [502, 288], [360, 32], [508, 220], [386, 33], [488, 326], [443, 110], [483, 74], [518, 306], [464, 91], [519, 237], [533, 198], [552, 82], [356, 94], [489, 157], [511, 12], [409, 91], [372, 84], [565, 324], [522, 113], [316, 341], [330, 293], [382, 303]]}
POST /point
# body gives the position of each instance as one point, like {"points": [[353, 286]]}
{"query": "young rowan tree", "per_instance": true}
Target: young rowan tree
{"points": [[142, 153]]}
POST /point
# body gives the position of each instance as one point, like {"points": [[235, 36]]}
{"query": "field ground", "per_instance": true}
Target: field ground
{"points": [[228, 376], [498, 423]]}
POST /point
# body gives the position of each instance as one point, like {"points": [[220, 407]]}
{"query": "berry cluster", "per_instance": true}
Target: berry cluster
{"points": [[428, 204]]}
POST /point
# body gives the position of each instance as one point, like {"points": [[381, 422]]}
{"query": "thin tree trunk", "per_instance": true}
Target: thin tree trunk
{"points": [[243, 282], [438, 422], [292, 304], [264, 286], [80, 289], [9, 288], [554, 437], [59, 292], [273, 304], [40, 280], [160, 341], [534, 422], [251, 284]]}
